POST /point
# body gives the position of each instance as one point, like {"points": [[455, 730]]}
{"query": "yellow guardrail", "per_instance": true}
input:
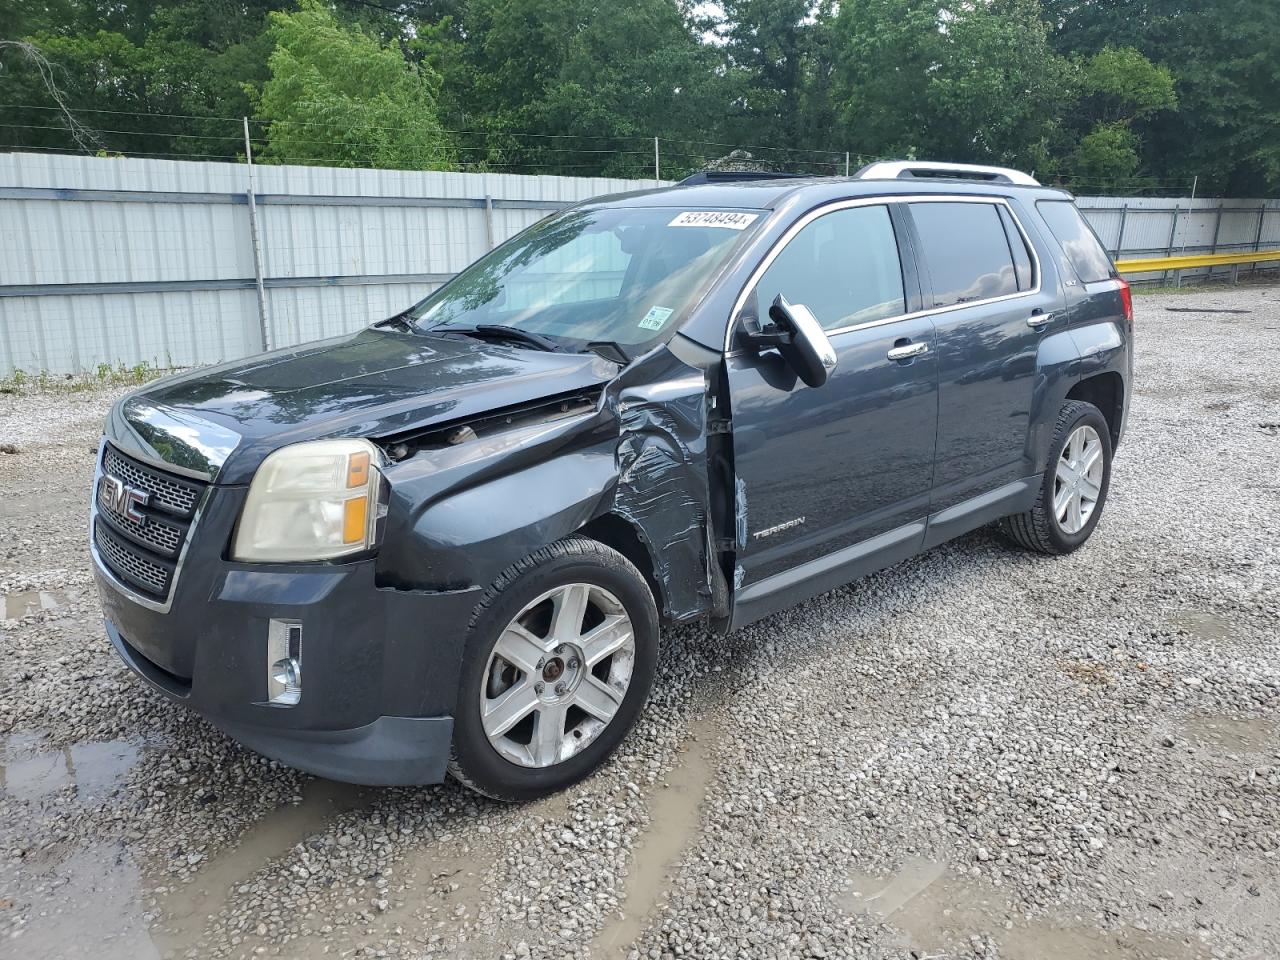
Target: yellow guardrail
{"points": [[1191, 260]]}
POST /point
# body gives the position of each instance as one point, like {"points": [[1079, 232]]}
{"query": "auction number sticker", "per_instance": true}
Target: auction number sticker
{"points": [[655, 318], [729, 219]]}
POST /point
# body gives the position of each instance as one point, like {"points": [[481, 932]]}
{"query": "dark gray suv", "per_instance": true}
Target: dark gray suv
{"points": [[447, 543]]}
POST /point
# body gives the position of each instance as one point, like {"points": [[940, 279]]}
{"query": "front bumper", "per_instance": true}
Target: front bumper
{"points": [[379, 666]]}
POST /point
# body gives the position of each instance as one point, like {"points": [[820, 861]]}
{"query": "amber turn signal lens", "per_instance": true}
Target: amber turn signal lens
{"points": [[357, 470], [355, 514]]}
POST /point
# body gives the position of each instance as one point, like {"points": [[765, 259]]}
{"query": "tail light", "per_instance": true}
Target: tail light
{"points": [[1126, 299]]}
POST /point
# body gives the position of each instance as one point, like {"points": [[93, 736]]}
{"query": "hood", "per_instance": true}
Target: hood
{"points": [[373, 383]]}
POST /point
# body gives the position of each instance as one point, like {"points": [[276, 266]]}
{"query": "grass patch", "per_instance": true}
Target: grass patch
{"points": [[104, 375]]}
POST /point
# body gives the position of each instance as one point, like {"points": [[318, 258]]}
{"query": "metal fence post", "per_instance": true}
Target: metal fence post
{"points": [[488, 221], [263, 323], [1124, 215], [657, 164], [846, 163], [1191, 212], [1168, 251], [1257, 238], [1217, 225]]}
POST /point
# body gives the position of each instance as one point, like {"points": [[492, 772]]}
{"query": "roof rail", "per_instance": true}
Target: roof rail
{"points": [[730, 176], [927, 169]]}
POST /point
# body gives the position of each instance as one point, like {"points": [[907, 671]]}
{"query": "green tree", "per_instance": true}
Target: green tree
{"points": [[1224, 56], [1119, 86], [340, 97], [572, 86], [170, 72], [951, 81], [770, 47]]}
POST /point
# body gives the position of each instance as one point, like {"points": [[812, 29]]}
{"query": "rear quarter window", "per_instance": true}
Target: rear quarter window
{"points": [[1078, 240]]}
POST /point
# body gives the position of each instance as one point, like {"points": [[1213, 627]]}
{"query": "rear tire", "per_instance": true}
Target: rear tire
{"points": [[556, 670], [1074, 487]]}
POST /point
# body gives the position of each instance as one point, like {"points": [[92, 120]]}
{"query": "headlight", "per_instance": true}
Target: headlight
{"points": [[311, 501]]}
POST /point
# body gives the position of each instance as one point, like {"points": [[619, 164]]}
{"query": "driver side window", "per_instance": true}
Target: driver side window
{"points": [[843, 266]]}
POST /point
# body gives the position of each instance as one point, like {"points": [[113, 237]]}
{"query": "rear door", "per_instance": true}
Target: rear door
{"points": [[820, 469], [982, 281]]}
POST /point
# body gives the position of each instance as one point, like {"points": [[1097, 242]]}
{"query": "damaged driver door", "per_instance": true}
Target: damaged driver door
{"points": [[833, 481]]}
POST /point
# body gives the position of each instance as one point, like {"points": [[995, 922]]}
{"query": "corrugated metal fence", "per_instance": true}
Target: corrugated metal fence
{"points": [[121, 261], [1136, 227]]}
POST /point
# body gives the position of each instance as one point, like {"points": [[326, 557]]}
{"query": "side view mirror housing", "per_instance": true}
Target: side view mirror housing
{"points": [[799, 337]]}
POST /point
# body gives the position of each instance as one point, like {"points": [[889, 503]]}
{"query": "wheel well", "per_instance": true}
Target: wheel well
{"points": [[611, 530], [1106, 392]]}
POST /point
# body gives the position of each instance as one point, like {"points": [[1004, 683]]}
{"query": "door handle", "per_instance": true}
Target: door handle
{"points": [[1038, 320], [908, 351]]}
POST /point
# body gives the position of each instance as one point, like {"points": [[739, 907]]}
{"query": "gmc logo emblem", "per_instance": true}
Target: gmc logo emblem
{"points": [[121, 499]]}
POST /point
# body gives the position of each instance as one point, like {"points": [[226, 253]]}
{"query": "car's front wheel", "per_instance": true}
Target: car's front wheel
{"points": [[1074, 487], [557, 668]]}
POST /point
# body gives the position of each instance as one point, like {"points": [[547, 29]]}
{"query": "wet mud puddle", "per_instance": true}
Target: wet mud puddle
{"points": [[674, 815], [24, 603], [938, 914], [29, 770], [185, 911], [1233, 734]]}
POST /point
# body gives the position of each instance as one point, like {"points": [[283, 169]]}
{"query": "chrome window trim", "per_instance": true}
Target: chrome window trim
{"points": [[749, 287], [119, 585]]}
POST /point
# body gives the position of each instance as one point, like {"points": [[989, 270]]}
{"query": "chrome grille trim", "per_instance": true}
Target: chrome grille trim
{"points": [[128, 563], [179, 497], [164, 538], [116, 569]]}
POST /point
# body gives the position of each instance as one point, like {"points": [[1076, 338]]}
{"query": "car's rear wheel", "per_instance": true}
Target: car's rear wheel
{"points": [[1074, 488], [557, 669]]}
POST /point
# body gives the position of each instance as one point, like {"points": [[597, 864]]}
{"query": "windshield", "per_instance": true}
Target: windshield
{"points": [[626, 275]]}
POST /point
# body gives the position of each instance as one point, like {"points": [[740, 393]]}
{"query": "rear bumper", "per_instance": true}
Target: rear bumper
{"points": [[379, 666]]}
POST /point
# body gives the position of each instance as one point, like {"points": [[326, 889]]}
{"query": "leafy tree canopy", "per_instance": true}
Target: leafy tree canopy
{"points": [[1096, 92], [337, 95]]}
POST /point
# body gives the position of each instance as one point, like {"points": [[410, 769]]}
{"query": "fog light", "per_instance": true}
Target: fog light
{"points": [[284, 662]]}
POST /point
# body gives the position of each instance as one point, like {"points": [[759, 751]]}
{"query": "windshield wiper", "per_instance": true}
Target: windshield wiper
{"points": [[400, 320], [611, 350], [503, 332]]}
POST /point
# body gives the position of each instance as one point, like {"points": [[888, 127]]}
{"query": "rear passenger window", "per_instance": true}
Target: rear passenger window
{"points": [[1077, 238], [843, 266], [966, 251]]}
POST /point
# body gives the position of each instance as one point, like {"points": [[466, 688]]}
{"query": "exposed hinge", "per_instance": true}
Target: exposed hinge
{"points": [[719, 426], [726, 545]]}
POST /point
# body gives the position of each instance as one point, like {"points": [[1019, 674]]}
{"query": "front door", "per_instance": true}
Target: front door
{"points": [[820, 470]]}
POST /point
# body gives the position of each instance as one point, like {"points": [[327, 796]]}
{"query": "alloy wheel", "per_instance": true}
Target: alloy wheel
{"points": [[557, 675], [1077, 482]]}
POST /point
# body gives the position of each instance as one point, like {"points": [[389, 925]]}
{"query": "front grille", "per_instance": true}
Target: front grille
{"points": [[174, 494], [165, 538], [129, 563], [142, 549]]}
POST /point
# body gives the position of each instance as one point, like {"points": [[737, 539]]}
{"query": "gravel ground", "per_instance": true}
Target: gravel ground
{"points": [[977, 753]]}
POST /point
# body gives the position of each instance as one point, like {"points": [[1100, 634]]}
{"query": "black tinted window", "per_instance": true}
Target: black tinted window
{"points": [[843, 266], [966, 251], [1081, 245]]}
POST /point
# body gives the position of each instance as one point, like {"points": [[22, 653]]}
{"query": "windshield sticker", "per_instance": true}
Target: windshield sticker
{"points": [[655, 318], [728, 219]]}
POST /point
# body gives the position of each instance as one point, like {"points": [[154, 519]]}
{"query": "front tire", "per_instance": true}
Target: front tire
{"points": [[1074, 488], [557, 668]]}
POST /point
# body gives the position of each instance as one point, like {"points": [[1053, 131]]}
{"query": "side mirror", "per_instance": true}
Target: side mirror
{"points": [[800, 339]]}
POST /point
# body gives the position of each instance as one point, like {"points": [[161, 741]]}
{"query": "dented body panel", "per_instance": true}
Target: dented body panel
{"points": [[463, 514]]}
